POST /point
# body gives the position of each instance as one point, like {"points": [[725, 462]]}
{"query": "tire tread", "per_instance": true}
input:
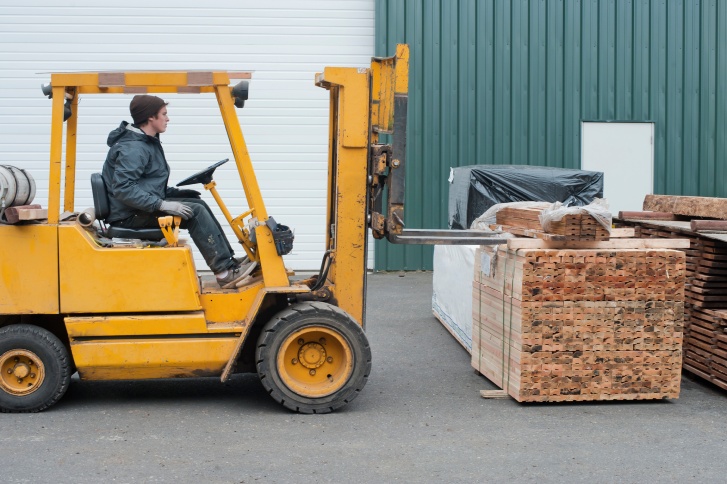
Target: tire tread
{"points": [[289, 316], [52, 344]]}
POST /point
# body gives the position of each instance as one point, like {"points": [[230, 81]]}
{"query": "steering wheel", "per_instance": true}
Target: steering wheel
{"points": [[204, 176]]}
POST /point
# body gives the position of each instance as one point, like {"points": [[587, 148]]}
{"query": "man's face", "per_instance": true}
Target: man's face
{"points": [[159, 122]]}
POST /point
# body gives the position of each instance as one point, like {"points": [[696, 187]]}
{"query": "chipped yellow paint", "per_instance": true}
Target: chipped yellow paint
{"points": [[142, 358], [348, 159], [135, 325], [361, 106], [223, 306]]}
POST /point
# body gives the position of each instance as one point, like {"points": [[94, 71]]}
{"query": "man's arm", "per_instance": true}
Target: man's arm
{"points": [[173, 192]]}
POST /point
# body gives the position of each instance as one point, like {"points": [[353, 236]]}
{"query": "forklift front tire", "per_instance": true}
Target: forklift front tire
{"points": [[313, 358], [35, 369]]}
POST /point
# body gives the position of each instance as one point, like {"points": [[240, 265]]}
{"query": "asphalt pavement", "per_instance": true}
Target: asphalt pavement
{"points": [[419, 419]]}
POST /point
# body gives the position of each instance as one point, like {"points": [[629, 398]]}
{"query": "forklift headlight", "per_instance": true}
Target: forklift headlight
{"points": [[48, 92], [239, 92]]}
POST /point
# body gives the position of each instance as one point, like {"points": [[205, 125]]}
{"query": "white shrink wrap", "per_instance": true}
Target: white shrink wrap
{"points": [[454, 268]]}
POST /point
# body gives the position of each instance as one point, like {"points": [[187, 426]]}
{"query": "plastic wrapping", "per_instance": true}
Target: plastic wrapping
{"points": [[453, 275], [474, 189], [598, 210]]}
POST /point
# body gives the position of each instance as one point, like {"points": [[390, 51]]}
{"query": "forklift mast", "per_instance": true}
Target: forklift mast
{"points": [[367, 178], [364, 103]]}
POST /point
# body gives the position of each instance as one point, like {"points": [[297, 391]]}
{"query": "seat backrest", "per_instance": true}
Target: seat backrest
{"points": [[100, 197]]}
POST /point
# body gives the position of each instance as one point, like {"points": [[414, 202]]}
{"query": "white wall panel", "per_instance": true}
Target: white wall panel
{"points": [[285, 42]]}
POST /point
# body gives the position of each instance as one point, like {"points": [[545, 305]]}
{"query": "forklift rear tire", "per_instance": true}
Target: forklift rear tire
{"points": [[35, 369], [313, 358]]}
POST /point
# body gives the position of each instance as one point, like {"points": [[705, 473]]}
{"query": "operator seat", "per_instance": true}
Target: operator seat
{"points": [[102, 209]]}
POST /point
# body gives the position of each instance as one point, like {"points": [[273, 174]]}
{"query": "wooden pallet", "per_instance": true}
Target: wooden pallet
{"points": [[579, 324]]}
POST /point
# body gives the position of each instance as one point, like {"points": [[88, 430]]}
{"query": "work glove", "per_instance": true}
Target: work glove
{"points": [[187, 193], [176, 208]]}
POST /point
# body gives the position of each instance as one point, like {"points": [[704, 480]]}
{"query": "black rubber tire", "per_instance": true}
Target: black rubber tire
{"points": [[54, 356], [300, 316]]}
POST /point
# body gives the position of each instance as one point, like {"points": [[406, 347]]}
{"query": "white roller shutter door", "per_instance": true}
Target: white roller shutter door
{"points": [[285, 42]]}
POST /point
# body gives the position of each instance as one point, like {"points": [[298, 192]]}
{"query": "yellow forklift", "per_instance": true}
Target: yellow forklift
{"points": [[77, 296]]}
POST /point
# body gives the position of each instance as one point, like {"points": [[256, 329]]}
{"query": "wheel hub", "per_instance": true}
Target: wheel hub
{"points": [[312, 355], [315, 361], [21, 372]]}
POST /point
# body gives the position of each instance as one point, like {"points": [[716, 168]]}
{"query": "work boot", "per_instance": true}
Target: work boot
{"points": [[234, 275]]}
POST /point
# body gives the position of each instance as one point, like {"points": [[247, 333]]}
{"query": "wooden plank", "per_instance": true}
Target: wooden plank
{"points": [[517, 244], [691, 206], [623, 232], [491, 394], [716, 225], [646, 216]]}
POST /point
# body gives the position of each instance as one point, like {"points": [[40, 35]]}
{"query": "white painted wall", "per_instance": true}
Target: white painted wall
{"points": [[285, 42], [624, 152]]}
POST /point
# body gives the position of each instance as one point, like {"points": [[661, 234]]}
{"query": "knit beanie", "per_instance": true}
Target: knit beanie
{"points": [[143, 107]]}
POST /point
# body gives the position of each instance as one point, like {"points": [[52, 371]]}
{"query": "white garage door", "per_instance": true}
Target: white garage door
{"points": [[285, 42]]}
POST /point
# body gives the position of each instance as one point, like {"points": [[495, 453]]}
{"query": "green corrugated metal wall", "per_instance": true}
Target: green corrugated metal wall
{"points": [[509, 81]]}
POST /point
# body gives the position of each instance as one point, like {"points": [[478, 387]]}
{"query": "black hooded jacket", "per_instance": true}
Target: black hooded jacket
{"points": [[136, 173]]}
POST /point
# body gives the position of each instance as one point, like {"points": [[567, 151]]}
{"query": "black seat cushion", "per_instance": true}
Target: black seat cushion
{"points": [[143, 234], [100, 196], [102, 208]]}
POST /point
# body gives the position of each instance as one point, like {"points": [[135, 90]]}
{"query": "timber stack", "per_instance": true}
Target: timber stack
{"points": [[574, 226], [565, 322], [705, 333]]}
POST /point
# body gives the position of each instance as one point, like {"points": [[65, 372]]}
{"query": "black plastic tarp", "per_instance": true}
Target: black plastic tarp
{"points": [[474, 189]]}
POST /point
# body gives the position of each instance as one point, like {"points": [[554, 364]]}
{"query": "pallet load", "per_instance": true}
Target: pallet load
{"points": [[578, 324], [573, 226]]}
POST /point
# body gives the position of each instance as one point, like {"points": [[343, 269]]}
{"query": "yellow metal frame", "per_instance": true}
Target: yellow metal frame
{"points": [[361, 106], [73, 85]]}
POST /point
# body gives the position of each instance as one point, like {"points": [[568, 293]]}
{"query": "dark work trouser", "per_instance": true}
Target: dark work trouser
{"points": [[203, 227]]}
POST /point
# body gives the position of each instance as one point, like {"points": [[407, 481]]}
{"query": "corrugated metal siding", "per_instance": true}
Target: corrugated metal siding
{"points": [[509, 81], [285, 121]]}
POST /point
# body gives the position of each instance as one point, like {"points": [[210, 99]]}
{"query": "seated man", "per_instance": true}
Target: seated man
{"points": [[136, 175]]}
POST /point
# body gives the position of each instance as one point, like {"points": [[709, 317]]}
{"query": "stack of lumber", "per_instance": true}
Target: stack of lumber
{"points": [[526, 221], [705, 345], [570, 324], [705, 325]]}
